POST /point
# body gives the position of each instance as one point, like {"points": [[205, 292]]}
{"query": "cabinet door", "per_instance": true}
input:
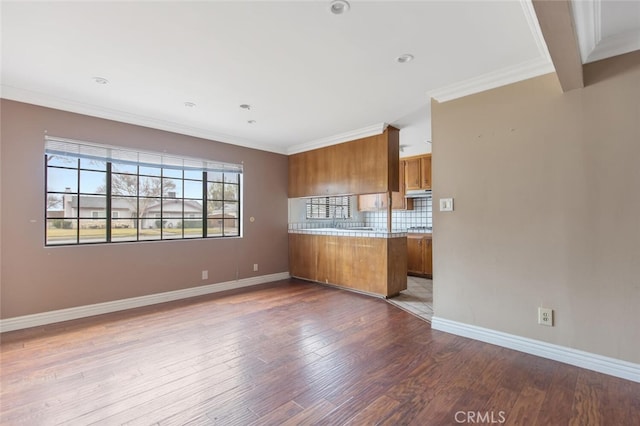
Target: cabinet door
{"points": [[398, 199], [415, 254], [368, 202], [372, 202], [398, 202], [425, 172], [412, 168], [302, 256], [428, 257], [326, 255]]}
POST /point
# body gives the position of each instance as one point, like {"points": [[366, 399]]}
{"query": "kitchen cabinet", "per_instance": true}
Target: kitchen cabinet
{"points": [[420, 255], [375, 266], [302, 250], [418, 172], [362, 166], [374, 202]]}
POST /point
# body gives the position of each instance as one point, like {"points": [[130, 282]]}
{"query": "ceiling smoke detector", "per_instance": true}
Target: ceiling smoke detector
{"points": [[338, 7], [402, 59], [100, 80]]}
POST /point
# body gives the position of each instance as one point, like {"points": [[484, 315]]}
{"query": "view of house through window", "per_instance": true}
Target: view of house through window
{"points": [[101, 194], [329, 207]]}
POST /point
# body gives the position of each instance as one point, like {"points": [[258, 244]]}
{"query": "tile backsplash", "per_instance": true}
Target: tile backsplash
{"points": [[421, 215]]}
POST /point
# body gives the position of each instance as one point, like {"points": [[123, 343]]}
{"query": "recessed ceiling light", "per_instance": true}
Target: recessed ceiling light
{"points": [[189, 104], [100, 80], [338, 7], [251, 121], [245, 106], [402, 59]]}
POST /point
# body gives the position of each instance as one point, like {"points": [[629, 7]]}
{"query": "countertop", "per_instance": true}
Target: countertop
{"points": [[363, 231]]}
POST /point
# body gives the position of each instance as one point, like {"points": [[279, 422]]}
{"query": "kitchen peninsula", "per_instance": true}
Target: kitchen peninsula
{"points": [[366, 260]]}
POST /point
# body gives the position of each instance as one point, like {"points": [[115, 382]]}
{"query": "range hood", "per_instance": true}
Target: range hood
{"points": [[418, 193]]}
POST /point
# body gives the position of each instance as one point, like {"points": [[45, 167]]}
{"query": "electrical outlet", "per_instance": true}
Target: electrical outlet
{"points": [[545, 316], [205, 275], [255, 267]]}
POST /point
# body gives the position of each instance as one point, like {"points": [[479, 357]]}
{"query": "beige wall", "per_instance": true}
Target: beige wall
{"points": [[547, 209], [38, 279]]}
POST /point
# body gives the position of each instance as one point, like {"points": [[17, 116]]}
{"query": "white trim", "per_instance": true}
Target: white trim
{"points": [[587, 16], [584, 17], [34, 320], [602, 364], [41, 99], [364, 132], [615, 45], [534, 26], [502, 77], [528, 69], [45, 100]]}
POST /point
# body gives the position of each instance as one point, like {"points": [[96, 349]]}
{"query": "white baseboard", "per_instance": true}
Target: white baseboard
{"points": [[34, 320], [601, 364]]}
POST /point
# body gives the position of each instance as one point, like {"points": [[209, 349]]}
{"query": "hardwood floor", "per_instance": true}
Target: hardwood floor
{"points": [[288, 353]]}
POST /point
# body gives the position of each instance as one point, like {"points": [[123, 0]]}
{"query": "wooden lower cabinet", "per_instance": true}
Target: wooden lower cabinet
{"points": [[370, 265], [420, 255]]}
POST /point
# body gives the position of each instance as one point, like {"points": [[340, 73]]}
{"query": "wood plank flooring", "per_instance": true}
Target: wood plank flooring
{"points": [[288, 353]]}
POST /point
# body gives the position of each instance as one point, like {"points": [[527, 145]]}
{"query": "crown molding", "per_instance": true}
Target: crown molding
{"points": [[529, 69], [44, 100], [614, 46], [587, 16], [534, 26], [523, 71], [364, 132]]}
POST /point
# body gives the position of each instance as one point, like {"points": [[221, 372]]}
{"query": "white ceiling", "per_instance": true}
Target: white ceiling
{"points": [[312, 78]]}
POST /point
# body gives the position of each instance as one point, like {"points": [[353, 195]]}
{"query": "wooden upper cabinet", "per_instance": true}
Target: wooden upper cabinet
{"points": [[374, 202], [412, 173], [399, 202], [425, 172], [363, 166], [418, 172]]}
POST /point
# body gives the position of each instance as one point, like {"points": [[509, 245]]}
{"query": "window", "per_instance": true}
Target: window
{"points": [[105, 194], [329, 207]]}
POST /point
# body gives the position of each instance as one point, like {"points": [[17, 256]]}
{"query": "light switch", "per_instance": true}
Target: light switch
{"points": [[446, 204]]}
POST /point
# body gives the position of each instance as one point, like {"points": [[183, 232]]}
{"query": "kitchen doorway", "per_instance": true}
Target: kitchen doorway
{"points": [[417, 298]]}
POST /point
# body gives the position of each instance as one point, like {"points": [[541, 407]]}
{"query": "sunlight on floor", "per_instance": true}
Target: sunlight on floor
{"points": [[417, 298]]}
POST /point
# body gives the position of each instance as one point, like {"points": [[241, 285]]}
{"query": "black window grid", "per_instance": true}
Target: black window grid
{"points": [[186, 225]]}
